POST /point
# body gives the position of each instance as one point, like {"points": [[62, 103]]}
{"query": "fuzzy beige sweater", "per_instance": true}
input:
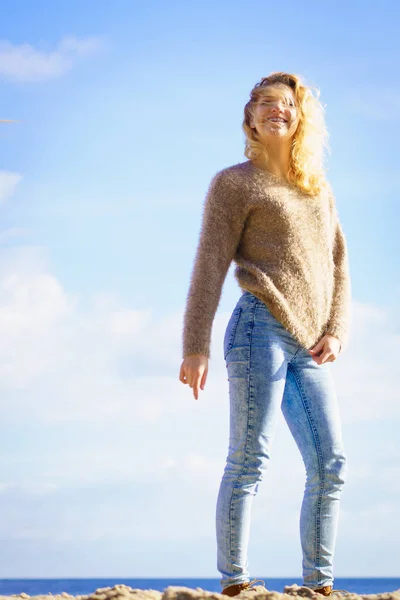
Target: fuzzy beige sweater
{"points": [[289, 249]]}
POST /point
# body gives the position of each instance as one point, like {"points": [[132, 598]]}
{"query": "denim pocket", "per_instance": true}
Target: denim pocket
{"points": [[230, 331]]}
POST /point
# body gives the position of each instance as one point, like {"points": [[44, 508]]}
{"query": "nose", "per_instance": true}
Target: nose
{"points": [[278, 106]]}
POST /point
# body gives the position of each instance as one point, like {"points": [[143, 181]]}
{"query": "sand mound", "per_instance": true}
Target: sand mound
{"points": [[124, 592]]}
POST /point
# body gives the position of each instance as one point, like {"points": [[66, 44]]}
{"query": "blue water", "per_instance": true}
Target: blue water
{"points": [[76, 587]]}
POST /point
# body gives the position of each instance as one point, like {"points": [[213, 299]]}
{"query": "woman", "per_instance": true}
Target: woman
{"points": [[275, 216]]}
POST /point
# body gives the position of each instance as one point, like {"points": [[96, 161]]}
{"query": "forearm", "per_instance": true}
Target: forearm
{"points": [[339, 318]]}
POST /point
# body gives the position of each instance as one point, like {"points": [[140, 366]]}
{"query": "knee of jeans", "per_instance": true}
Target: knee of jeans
{"points": [[335, 470], [257, 466], [332, 471], [250, 466]]}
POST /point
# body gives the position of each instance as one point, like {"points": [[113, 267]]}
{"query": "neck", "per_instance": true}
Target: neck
{"points": [[278, 158]]}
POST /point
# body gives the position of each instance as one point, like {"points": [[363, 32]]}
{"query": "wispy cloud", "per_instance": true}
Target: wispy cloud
{"points": [[26, 63], [97, 382], [8, 183], [88, 364], [100, 390]]}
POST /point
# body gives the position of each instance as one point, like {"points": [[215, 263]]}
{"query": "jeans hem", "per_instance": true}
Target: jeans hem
{"points": [[234, 582], [319, 585]]}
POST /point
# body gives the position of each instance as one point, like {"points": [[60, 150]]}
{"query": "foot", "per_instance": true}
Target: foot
{"points": [[328, 591], [325, 591], [235, 589]]}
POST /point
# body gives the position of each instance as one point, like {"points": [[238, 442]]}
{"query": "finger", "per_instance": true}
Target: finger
{"points": [[203, 380], [317, 359], [182, 374], [196, 386], [317, 348], [326, 357]]}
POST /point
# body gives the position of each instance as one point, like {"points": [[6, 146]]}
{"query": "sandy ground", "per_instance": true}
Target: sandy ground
{"points": [[124, 592]]}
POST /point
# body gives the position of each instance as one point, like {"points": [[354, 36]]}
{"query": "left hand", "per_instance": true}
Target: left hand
{"points": [[326, 350]]}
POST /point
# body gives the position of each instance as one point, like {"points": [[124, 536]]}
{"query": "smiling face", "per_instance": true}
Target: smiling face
{"points": [[275, 114]]}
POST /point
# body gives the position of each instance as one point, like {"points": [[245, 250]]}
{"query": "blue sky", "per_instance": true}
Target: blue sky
{"points": [[126, 110]]}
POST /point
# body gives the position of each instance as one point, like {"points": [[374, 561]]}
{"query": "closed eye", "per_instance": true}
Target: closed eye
{"points": [[267, 101]]}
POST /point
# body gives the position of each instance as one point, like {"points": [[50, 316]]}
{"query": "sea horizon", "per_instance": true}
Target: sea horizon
{"points": [[87, 585]]}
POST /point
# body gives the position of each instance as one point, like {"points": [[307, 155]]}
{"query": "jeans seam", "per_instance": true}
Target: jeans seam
{"points": [[237, 486], [320, 469]]}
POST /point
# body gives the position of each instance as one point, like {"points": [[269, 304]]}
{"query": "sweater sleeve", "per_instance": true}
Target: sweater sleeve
{"points": [[339, 319], [223, 219]]}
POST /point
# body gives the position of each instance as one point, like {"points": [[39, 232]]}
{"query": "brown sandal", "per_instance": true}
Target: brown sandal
{"points": [[328, 591], [235, 589]]}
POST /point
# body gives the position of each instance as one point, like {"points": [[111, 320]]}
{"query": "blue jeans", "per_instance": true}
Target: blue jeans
{"points": [[268, 369]]}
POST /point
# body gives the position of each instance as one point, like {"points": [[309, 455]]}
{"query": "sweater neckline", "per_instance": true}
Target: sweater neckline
{"points": [[277, 180], [269, 174]]}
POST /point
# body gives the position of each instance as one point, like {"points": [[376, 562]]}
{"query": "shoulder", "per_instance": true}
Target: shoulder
{"points": [[236, 176], [238, 173], [329, 193], [229, 190]]}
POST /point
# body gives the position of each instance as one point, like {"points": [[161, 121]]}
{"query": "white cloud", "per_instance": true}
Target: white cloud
{"points": [[110, 362], [101, 383], [26, 63]]}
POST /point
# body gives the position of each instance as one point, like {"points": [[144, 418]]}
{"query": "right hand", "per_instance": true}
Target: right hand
{"points": [[194, 370]]}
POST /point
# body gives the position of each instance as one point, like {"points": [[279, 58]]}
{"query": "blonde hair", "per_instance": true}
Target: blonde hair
{"points": [[306, 163]]}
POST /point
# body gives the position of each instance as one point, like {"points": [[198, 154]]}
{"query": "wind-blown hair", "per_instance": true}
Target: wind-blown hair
{"points": [[306, 163]]}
